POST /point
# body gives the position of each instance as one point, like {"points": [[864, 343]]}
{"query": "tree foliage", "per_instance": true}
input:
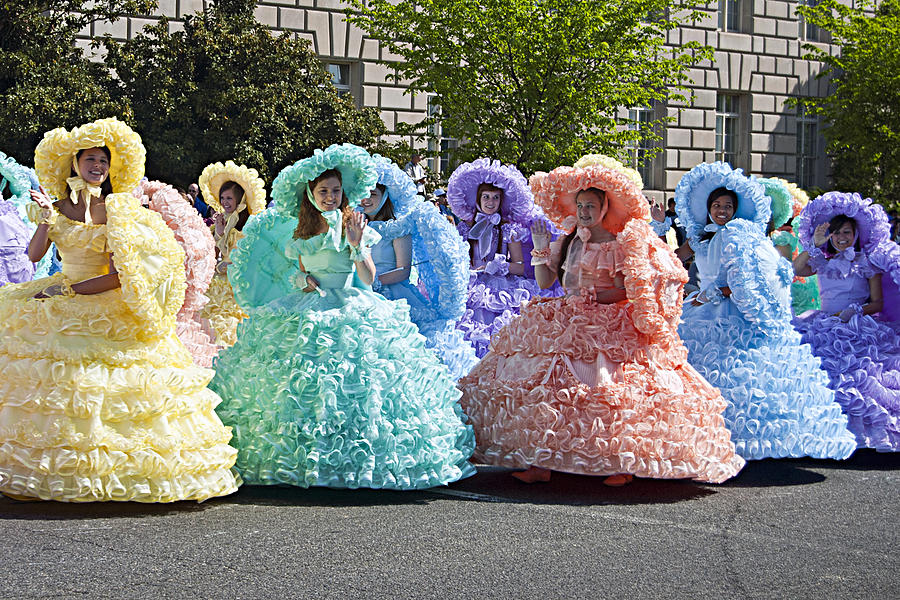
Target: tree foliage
{"points": [[226, 88], [535, 82], [863, 112], [45, 79]]}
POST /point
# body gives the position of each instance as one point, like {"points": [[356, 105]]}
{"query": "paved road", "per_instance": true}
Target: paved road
{"points": [[781, 529]]}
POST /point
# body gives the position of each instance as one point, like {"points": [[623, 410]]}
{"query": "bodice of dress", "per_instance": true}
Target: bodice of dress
{"points": [[590, 265], [839, 293], [510, 232], [708, 258], [384, 257], [81, 247], [233, 237], [331, 267]]}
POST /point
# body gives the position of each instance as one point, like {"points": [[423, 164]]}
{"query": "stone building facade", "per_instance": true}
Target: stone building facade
{"points": [[738, 112]]}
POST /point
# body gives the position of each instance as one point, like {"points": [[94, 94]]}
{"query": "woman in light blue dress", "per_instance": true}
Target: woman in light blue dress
{"points": [[330, 384], [737, 328], [415, 236]]}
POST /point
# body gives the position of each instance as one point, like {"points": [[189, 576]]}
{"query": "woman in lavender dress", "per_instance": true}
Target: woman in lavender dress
{"points": [[496, 210], [14, 232], [849, 250]]}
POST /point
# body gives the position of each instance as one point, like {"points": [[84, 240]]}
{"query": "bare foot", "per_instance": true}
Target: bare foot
{"points": [[618, 480], [533, 475]]}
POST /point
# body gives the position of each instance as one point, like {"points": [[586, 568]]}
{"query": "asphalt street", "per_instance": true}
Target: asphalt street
{"points": [[781, 529]]}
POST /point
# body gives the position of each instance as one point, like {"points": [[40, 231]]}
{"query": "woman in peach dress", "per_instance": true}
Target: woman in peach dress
{"points": [[597, 382]]}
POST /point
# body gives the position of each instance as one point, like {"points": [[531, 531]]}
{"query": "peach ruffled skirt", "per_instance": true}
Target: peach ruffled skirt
{"points": [[573, 386]]}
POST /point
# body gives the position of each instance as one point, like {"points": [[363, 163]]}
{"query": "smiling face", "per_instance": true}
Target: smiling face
{"points": [[229, 202], [93, 166], [843, 237], [328, 193], [370, 205], [721, 209], [489, 201], [589, 205]]}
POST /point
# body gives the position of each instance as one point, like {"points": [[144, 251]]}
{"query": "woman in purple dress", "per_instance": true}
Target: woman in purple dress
{"points": [[14, 233], [849, 249], [496, 210]]}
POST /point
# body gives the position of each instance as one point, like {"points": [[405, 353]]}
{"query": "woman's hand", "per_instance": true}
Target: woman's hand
{"points": [[821, 235], [540, 235], [219, 222], [41, 198], [355, 228], [657, 212], [312, 284]]}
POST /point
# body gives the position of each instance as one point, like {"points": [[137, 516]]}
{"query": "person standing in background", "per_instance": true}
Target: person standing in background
{"points": [[196, 199], [416, 171]]}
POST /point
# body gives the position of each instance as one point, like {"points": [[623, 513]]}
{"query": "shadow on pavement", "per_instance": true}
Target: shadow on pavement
{"points": [[773, 472], [861, 460], [63, 511], [495, 484], [269, 495]]}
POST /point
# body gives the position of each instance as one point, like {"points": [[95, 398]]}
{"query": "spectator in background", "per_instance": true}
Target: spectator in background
{"points": [[196, 199], [679, 230], [440, 199], [895, 228], [416, 171]]}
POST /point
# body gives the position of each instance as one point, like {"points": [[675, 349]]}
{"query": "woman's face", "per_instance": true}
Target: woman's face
{"points": [[370, 204], [843, 237], [722, 209], [328, 193], [589, 209], [489, 201], [229, 201], [93, 166]]}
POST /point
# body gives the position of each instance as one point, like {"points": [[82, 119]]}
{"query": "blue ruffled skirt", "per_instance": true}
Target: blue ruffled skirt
{"points": [[779, 404], [448, 343], [341, 392]]}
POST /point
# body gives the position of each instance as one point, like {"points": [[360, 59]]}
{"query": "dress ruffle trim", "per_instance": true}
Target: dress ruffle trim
{"points": [[782, 201], [149, 261], [260, 271]]}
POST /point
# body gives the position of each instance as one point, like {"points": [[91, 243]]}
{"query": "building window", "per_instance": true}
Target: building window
{"points": [[641, 119], [447, 165], [807, 146], [733, 15], [729, 128], [340, 77], [440, 147], [808, 31]]}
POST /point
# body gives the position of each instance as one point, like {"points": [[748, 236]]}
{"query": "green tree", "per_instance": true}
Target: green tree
{"points": [[45, 79], [535, 82], [862, 114], [226, 88]]}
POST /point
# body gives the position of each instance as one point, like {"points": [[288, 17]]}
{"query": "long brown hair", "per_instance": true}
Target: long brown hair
{"points": [[387, 210], [311, 222]]}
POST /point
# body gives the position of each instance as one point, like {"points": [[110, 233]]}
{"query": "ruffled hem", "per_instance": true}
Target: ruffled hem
{"points": [[772, 412], [862, 359], [214, 478], [341, 392]]}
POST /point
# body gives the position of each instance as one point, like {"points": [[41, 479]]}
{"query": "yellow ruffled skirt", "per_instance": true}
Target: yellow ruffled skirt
{"points": [[94, 407], [223, 311]]}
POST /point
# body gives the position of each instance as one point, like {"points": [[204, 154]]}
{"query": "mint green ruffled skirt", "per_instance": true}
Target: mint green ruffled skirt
{"points": [[340, 392]]}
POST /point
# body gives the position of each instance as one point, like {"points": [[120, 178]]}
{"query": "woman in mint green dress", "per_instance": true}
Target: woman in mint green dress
{"points": [[330, 384]]}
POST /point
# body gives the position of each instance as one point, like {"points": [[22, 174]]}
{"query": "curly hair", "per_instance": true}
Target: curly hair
{"points": [[311, 222]]}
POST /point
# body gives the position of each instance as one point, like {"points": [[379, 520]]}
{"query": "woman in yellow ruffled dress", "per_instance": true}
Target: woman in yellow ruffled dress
{"points": [[99, 400], [234, 192]]}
